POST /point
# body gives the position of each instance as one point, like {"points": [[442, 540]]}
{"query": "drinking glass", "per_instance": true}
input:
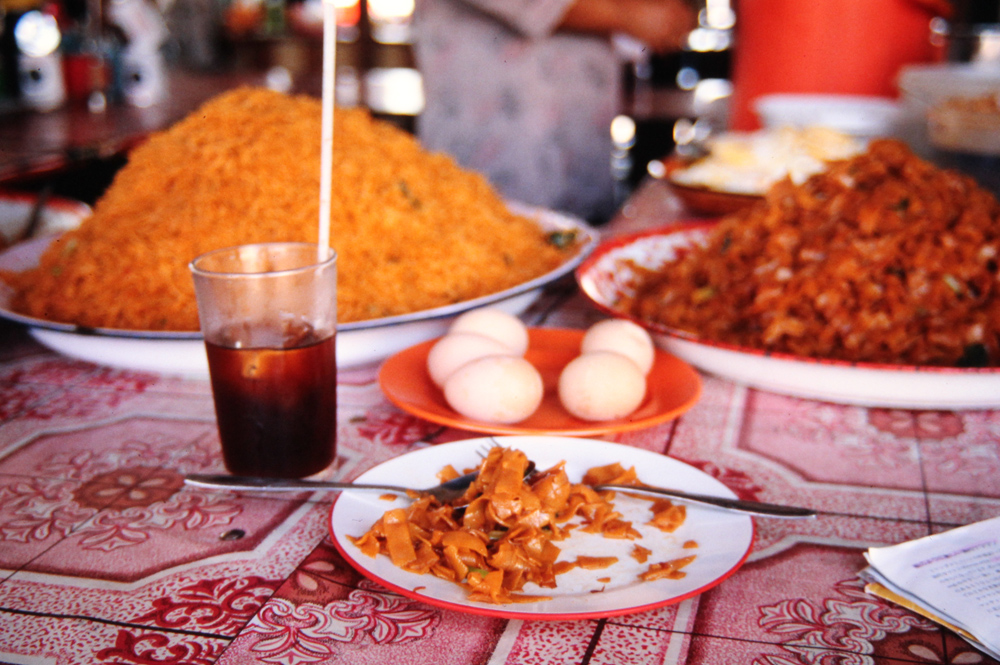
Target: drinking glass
{"points": [[268, 313]]}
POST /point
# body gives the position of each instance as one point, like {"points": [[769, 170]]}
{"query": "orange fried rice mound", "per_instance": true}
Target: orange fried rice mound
{"points": [[412, 229]]}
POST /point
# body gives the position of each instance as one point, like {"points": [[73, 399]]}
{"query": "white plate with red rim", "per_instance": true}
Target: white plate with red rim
{"points": [[608, 274], [359, 343], [723, 538]]}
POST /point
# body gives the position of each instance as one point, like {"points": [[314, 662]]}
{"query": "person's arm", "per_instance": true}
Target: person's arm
{"points": [[661, 24]]}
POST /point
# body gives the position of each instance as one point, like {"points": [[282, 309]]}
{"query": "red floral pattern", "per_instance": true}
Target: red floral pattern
{"points": [[310, 633], [133, 487], [77, 404], [17, 399], [56, 371], [157, 649], [737, 481], [118, 504], [116, 379], [928, 425], [395, 428], [33, 509], [861, 624], [220, 606], [110, 483]]}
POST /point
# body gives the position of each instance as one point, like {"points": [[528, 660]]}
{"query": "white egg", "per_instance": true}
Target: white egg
{"points": [[495, 389], [501, 326], [456, 349], [601, 385], [624, 337]]}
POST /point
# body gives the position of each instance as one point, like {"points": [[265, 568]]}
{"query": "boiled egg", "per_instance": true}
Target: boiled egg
{"points": [[624, 337], [498, 324], [456, 349], [601, 385], [500, 389]]}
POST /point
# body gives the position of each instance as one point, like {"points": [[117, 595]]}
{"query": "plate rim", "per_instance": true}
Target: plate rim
{"points": [[703, 199], [596, 429], [58, 202], [705, 189], [499, 611], [743, 198]]}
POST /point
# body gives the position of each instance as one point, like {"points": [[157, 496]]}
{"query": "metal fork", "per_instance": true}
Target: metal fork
{"points": [[445, 492]]}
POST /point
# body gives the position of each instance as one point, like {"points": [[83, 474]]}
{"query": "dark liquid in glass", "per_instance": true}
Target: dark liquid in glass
{"points": [[276, 408]]}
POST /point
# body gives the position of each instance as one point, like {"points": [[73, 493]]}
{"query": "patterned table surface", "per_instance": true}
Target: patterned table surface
{"points": [[105, 557]]}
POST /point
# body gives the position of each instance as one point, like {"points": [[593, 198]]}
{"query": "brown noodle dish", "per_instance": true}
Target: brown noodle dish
{"points": [[505, 533], [883, 258], [412, 229]]}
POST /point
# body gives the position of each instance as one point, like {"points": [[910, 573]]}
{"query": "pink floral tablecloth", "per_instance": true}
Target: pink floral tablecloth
{"points": [[106, 557]]}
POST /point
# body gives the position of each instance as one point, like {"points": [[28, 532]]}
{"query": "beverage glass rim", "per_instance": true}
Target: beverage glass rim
{"points": [[330, 258]]}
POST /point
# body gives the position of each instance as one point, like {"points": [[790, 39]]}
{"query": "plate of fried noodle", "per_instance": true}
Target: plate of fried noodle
{"points": [[544, 545]]}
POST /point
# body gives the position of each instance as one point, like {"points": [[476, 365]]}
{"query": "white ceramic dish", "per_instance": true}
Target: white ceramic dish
{"points": [[607, 274], [927, 85], [358, 343], [57, 215], [723, 538], [857, 115]]}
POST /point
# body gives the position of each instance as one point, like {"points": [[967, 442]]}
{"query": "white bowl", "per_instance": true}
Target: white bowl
{"points": [[856, 115], [923, 86]]}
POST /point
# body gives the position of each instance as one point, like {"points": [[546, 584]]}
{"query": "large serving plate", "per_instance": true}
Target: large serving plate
{"points": [[723, 538], [673, 387], [358, 343], [608, 274]]}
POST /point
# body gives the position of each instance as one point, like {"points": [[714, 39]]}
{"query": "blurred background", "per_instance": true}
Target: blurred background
{"points": [[80, 80], [64, 58]]}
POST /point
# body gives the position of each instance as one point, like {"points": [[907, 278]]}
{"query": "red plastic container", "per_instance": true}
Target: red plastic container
{"points": [[827, 46]]}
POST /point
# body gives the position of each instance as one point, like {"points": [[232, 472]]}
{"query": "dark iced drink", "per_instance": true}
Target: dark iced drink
{"points": [[269, 316], [275, 408]]}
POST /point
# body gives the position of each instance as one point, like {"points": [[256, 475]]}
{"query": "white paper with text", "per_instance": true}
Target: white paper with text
{"points": [[955, 573]]}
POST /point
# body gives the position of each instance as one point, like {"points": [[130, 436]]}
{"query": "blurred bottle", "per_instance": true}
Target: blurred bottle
{"points": [[88, 55], [37, 38], [274, 17], [11, 12], [143, 70]]}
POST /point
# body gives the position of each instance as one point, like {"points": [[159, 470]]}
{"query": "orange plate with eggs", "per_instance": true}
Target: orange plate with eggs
{"points": [[672, 388]]}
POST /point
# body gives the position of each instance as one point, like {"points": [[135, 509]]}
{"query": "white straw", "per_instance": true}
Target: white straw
{"points": [[326, 138]]}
